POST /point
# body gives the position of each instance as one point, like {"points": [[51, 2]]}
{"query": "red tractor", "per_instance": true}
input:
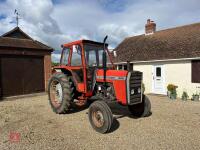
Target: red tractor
{"points": [[86, 74]]}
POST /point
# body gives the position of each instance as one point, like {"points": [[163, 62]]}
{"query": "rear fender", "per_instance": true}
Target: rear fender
{"points": [[69, 72]]}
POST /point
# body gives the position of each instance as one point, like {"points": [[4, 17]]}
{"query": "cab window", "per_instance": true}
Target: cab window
{"points": [[91, 58], [101, 58], [76, 56], [65, 56]]}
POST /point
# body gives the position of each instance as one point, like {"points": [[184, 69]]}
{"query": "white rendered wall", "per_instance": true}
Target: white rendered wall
{"points": [[175, 72]]}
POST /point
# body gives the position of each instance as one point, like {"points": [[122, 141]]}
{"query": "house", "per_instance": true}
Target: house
{"points": [[164, 57], [25, 64]]}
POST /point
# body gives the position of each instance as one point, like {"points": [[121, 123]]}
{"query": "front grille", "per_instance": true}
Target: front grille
{"points": [[134, 81]]}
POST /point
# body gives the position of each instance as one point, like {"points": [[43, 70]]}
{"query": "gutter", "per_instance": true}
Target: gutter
{"points": [[165, 60]]}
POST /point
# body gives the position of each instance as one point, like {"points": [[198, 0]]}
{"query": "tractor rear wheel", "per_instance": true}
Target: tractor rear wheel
{"points": [[61, 93], [142, 109], [100, 116]]}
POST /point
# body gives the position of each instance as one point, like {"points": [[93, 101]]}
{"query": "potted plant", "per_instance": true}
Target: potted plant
{"points": [[171, 91], [184, 96], [173, 95], [195, 97]]}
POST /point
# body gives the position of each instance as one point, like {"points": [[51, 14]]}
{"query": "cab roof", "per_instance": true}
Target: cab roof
{"points": [[84, 42]]}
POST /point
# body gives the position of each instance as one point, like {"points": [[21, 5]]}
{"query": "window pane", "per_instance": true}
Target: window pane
{"points": [[125, 67], [158, 71], [100, 58], [91, 58], [76, 56], [65, 56], [120, 67], [196, 71], [93, 54]]}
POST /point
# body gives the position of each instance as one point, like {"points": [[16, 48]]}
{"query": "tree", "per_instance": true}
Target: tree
{"points": [[54, 64]]}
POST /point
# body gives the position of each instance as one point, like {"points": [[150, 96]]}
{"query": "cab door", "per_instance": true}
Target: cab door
{"points": [[76, 66], [92, 61]]}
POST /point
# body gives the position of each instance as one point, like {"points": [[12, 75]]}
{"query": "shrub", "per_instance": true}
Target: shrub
{"points": [[172, 88], [185, 95], [54, 64]]}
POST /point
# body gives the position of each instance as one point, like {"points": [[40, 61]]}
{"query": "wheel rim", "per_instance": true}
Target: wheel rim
{"points": [[56, 93], [59, 92], [97, 118]]}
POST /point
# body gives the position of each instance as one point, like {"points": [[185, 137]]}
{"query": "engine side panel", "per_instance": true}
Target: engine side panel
{"points": [[118, 79]]}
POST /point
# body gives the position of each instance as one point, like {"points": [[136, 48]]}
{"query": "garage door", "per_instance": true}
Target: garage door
{"points": [[21, 75]]}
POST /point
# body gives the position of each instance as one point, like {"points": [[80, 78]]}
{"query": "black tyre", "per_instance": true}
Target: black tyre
{"points": [[142, 109], [61, 93], [100, 116]]}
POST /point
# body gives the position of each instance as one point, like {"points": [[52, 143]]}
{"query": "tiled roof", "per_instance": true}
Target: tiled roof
{"points": [[175, 43], [18, 39]]}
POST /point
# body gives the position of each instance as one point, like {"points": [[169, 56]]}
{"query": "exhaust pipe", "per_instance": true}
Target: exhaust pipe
{"points": [[104, 59]]}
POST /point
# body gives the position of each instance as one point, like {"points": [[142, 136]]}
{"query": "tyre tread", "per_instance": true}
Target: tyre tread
{"points": [[67, 93], [103, 106]]}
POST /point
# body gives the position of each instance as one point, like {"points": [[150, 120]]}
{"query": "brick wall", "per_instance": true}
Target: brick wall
{"points": [[47, 69]]}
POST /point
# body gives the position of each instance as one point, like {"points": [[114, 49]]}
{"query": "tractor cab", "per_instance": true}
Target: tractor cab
{"points": [[83, 58]]}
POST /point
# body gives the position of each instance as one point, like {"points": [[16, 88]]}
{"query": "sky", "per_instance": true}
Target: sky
{"points": [[55, 22]]}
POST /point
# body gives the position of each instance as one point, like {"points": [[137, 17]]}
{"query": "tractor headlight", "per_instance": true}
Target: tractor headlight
{"points": [[139, 90], [99, 88], [132, 91]]}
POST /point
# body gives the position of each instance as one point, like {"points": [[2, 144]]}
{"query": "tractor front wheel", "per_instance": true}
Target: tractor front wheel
{"points": [[100, 116], [142, 109]]}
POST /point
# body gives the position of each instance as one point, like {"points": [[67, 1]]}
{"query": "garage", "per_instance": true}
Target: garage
{"points": [[25, 64]]}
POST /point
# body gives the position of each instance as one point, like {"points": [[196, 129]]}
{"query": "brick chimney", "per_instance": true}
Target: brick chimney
{"points": [[150, 27]]}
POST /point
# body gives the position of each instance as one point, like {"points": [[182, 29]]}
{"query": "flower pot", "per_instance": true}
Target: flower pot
{"points": [[195, 97], [173, 96], [168, 93]]}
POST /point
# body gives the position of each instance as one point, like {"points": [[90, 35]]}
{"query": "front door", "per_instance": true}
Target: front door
{"points": [[158, 79]]}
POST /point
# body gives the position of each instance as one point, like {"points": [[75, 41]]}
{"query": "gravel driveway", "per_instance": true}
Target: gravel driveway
{"points": [[172, 125]]}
